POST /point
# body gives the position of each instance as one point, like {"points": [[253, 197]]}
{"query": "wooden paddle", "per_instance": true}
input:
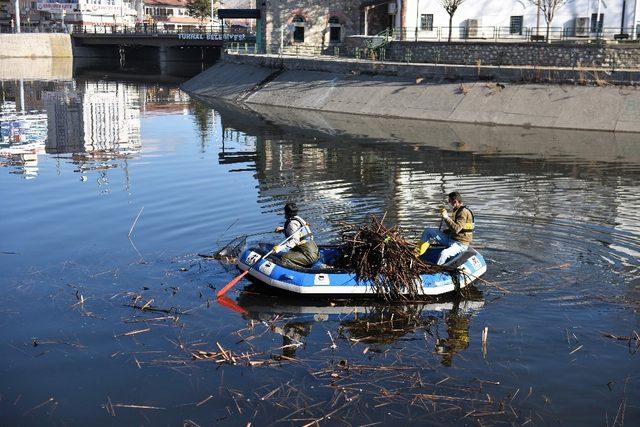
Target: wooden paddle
{"points": [[239, 277]]}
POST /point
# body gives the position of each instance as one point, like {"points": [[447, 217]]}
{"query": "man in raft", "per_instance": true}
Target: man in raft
{"points": [[300, 250], [458, 234]]}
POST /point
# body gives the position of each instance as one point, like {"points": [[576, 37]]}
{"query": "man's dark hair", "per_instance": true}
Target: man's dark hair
{"points": [[455, 196], [290, 209]]}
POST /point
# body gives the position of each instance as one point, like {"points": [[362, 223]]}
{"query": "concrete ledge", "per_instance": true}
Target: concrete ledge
{"points": [[36, 69], [35, 45], [407, 91]]}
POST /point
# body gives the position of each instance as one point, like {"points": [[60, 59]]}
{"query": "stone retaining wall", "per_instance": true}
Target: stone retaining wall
{"points": [[611, 56], [442, 72]]}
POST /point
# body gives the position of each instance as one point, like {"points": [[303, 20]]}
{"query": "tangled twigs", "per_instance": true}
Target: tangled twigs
{"points": [[381, 257]]}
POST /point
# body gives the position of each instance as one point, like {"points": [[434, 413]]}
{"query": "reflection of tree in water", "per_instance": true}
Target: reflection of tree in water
{"points": [[385, 324], [202, 117]]}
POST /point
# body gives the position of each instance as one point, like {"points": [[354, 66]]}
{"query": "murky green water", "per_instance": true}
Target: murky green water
{"points": [[557, 217]]}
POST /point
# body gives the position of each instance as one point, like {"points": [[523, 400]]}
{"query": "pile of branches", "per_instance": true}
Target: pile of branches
{"points": [[384, 259]]}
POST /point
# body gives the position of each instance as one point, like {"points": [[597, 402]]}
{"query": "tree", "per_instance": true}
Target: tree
{"points": [[199, 9], [451, 6], [548, 8]]}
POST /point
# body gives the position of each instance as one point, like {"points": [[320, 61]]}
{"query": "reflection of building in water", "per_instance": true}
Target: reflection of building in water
{"points": [[163, 100], [100, 117], [23, 135]]}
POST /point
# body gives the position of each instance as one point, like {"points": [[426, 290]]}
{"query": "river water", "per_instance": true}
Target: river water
{"points": [[557, 220]]}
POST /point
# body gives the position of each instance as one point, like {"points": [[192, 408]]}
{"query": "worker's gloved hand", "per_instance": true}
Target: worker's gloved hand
{"points": [[444, 213], [276, 249], [279, 230], [421, 248]]}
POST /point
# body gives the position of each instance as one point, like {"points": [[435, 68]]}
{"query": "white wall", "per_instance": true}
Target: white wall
{"points": [[498, 12]]}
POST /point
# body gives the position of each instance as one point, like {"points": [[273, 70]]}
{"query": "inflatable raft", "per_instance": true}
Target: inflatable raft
{"points": [[321, 279]]}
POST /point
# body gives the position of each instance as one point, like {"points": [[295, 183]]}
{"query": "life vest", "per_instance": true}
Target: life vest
{"points": [[304, 230], [469, 226]]}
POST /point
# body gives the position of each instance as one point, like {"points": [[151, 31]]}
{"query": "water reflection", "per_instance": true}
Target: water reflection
{"points": [[350, 166], [96, 122], [23, 128], [557, 222], [444, 323]]}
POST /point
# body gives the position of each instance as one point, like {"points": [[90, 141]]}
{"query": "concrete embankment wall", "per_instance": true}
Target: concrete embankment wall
{"points": [[34, 45], [419, 91]]}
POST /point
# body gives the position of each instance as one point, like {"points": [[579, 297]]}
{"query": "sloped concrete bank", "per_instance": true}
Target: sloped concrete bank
{"points": [[494, 96]]}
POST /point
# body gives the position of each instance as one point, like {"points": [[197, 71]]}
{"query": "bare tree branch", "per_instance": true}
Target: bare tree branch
{"points": [[451, 6], [548, 8]]}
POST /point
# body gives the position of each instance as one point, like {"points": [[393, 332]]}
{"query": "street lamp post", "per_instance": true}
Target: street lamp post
{"points": [[417, 17], [212, 1], [17, 8]]}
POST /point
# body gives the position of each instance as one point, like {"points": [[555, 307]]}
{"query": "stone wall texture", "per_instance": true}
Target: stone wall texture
{"points": [[34, 45], [280, 15], [611, 56]]}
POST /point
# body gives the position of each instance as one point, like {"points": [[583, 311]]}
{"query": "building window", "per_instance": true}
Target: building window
{"points": [[298, 32], [335, 35], [335, 30], [515, 26], [596, 25], [426, 22]]}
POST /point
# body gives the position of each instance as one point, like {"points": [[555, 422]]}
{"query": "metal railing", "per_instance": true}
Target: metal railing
{"points": [[237, 47], [508, 34], [305, 50], [151, 30], [32, 29]]}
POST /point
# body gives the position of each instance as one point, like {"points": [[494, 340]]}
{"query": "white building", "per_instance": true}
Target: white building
{"points": [[172, 15], [87, 13], [504, 19]]}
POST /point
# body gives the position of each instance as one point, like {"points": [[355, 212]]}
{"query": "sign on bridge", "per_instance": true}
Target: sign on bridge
{"points": [[212, 36]]}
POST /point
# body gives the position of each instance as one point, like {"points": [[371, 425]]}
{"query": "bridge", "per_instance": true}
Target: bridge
{"points": [[159, 46], [103, 36]]}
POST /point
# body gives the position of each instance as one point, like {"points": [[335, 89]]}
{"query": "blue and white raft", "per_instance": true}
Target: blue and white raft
{"points": [[321, 279]]}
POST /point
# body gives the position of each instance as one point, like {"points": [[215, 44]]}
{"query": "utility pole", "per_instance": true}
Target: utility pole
{"points": [[538, 20], [417, 17], [17, 7], [624, 11], [598, 19]]}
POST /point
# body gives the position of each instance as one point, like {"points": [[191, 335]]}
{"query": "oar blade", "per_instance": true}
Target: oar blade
{"points": [[230, 304], [231, 284]]}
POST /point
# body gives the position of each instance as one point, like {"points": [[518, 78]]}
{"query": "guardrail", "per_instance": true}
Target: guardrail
{"points": [[509, 34], [123, 30], [238, 47], [31, 29]]}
